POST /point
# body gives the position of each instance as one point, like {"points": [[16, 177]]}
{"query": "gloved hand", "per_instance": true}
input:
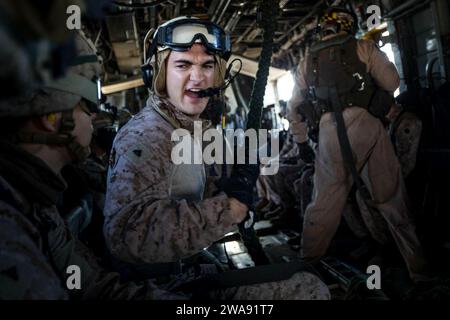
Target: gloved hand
{"points": [[241, 183]]}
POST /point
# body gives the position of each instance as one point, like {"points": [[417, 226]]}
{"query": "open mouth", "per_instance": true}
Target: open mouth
{"points": [[193, 93]]}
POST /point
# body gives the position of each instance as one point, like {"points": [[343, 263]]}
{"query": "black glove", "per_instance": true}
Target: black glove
{"points": [[241, 183]]}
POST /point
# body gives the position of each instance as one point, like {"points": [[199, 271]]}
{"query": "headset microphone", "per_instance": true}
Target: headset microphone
{"points": [[209, 92]]}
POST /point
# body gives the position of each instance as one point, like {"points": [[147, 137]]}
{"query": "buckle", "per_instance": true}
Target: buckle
{"points": [[359, 78]]}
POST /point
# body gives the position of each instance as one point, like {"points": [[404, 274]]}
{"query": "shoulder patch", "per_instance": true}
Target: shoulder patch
{"points": [[137, 154]]}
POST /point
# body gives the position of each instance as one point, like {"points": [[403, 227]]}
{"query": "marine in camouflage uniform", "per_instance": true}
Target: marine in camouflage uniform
{"points": [[36, 247], [84, 198], [405, 132], [155, 210], [265, 184], [158, 214], [278, 188], [375, 161]]}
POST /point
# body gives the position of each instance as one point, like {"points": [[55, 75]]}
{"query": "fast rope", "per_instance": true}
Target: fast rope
{"points": [[266, 20]]}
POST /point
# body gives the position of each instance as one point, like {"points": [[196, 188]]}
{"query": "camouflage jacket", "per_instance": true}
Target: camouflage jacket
{"points": [[36, 248], [155, 211]]}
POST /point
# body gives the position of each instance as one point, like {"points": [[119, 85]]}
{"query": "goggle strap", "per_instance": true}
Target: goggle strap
{"points": [[152, 49]]}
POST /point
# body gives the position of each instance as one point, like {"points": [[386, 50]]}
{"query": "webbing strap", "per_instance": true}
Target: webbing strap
{"points": [[43, 138], [139, 272], [88, 58], [336, 41], [344, 143], [250, 276]]}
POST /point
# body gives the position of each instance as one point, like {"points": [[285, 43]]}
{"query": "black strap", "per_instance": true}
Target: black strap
{"points": [[88, 58], [344, 143], [250, 276], [335, 41], [139, 272]]}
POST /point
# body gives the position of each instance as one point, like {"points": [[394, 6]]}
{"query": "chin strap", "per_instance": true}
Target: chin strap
{"points": [[81, 153], [62, 137]]}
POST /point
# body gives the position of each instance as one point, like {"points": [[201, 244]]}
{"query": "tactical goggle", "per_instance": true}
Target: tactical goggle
{"points": [[182, 34]]}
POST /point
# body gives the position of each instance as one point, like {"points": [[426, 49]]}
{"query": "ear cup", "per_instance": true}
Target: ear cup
{"points": [[147, 75], [51, 118]]}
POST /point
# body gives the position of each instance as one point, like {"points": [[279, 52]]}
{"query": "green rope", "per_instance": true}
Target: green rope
{"points": [[268, 24]]}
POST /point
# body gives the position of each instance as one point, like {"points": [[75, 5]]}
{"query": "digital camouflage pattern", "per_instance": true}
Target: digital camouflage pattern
{"points": [[155, 210], [266, 184], [407, 130], [300, 286], [38, 102], [36, 248], [151, 216]]}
